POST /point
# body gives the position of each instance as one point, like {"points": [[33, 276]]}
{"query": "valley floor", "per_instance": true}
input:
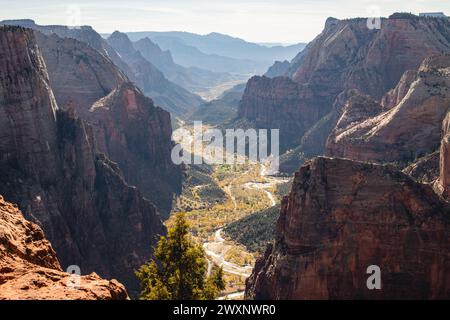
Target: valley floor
{"points": [[245, 189]]}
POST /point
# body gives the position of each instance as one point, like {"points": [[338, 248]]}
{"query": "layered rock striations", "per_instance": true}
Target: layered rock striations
{"points": [[442, 184], [137, 136], [79, 74], [410, 129], [128, 127], [342, 217], [50, 167], [30, 270]]}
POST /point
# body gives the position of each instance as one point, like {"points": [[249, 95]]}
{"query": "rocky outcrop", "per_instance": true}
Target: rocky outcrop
{"points": [[128, 127], [280, 103], [85, 34], [150, 80], [442, 185], [153, 83], [79, 74], [50, 167], [137, 136], [425, 169], [346, 55], [342, 217], [396, 95], [278, 69], [410, 129], [29, 268]]}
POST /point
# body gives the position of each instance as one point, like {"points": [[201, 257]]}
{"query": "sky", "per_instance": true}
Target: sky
{"points": [[271, 21]]}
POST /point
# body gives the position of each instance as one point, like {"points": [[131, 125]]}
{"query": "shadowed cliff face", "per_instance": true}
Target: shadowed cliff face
{"points": [[50, 167], [343, 216], [29, 268], [137, 135], [346, 55], [127, 126]]}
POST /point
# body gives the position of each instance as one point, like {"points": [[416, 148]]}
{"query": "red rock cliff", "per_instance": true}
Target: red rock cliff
{"points": [[346, 55], [138, 138], [29, 268], [409, 129], [49, 165], [343, 216]]}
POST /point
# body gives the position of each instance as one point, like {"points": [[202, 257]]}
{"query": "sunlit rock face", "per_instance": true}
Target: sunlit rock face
{"points": [[410, 129], [345, 56], [30, 270]]}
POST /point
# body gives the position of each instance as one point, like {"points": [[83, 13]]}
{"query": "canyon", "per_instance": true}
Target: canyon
{"points": [[306, 101], [378, 199], [87, 179]]}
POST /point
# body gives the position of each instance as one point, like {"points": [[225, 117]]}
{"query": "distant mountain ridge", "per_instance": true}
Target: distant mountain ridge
{"points": [[151, 81], [225, 45], [218, 52], [194, 79]]}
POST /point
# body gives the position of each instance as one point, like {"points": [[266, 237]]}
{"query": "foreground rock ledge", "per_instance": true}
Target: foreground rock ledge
{"points": [[343, 216], [29, 268]]}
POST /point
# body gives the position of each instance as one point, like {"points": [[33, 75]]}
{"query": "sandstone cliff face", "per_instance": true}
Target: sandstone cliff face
{"points": [[280, 103], [442, 185], [412, 128], [343, 216], [137, 135], [50, 167], [29, 268], [425, 169], [79, 74], [83, 34], [128, 128], [396, 95], [346, 55]]}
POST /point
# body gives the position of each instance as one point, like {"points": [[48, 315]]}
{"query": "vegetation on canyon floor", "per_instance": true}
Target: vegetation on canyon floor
{"points": [[179, 269]]}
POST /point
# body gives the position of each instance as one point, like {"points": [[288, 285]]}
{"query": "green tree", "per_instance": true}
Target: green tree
{"points": [[214, 284], [178, 270]]}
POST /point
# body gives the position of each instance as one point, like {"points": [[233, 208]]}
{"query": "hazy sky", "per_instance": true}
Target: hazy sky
{"points": [[285, 21]]}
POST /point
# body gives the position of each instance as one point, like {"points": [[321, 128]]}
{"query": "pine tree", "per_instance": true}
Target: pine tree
{"points": [[178, 270]]}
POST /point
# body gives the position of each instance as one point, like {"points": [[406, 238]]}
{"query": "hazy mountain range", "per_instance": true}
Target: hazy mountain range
{"points": [[219, 52]]}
